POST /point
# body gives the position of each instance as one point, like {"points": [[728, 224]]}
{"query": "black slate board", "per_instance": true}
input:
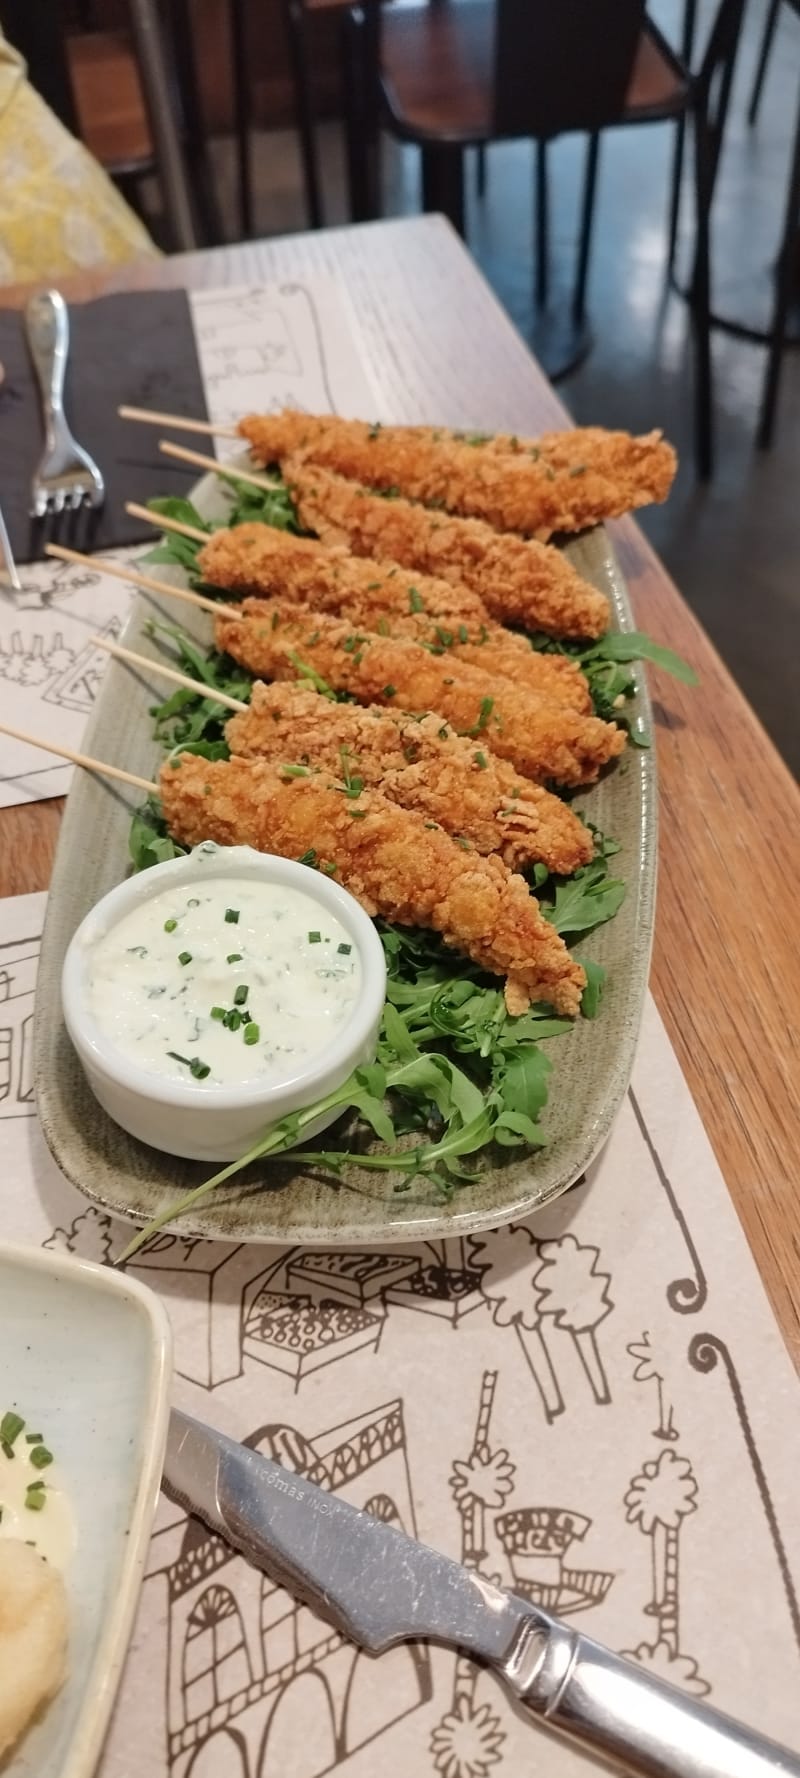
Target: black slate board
{"points": [[137, 348]]}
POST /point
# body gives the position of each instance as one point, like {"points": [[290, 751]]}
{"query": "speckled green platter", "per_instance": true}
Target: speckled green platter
{"points": [[281, 1201]]}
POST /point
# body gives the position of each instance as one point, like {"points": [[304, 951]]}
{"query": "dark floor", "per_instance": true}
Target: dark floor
{"points": [[733, 547]]}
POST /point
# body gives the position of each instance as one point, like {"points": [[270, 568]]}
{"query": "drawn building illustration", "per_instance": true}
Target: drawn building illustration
{"points": [[68, 677], [18, 965], [250, 1669]]}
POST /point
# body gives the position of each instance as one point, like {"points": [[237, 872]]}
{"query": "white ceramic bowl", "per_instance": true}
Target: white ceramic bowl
{"points": [[86, 1355], [218, 1123]]}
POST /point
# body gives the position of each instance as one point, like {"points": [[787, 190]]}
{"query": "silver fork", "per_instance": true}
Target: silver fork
{"points": [[67, 477]]}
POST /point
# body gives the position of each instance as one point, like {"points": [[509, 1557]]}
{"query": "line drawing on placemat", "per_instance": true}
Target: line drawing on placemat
{"points": [[252, 1675], [645, 1370], [528, 1283], [62, 580], [705, 1352], [59, 674], [685, 1295], [19, 962], [661, 1495]]}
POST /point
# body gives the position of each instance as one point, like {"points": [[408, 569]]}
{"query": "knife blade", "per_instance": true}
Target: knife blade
{"points": [[378, 1587]]}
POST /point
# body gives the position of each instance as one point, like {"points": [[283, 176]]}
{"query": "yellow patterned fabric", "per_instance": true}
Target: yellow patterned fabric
{"points": [[59, 212]]}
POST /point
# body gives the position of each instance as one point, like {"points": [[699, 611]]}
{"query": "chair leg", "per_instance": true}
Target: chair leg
{"points": [[587, 219], [480, 170], [298, 57], [763, 59], [701, 300], [687, 52], [784, 286], [542, 226], [361, 131], [443, 183], [241, 105]]}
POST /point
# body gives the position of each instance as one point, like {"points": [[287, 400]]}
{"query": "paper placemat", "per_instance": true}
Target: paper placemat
{"points": [[279, 345], [594, 1406]]}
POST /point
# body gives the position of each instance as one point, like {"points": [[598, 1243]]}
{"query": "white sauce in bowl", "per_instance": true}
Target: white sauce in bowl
{"points": [[227, 982]]}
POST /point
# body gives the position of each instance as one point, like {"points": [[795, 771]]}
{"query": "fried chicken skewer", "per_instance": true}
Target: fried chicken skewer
{"points": [[421, 764], [258, 558], [394, 863], [519, 580], [583, 479], [545, 741]]}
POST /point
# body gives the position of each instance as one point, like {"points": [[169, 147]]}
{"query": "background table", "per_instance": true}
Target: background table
{"points": [[726, 964]]}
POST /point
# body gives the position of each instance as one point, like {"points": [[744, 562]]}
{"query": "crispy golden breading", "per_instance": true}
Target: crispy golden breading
{"points": [[537, 492], [258, 558], [519, 580], [276, 640], [388, 858], [421, 764]]}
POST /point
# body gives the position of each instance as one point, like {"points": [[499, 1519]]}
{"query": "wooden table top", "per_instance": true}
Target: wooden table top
{"points": [[726, 964]]}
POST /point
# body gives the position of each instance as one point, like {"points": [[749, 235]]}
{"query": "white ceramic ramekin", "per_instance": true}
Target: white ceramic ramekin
{"points": [[218, 1123]]}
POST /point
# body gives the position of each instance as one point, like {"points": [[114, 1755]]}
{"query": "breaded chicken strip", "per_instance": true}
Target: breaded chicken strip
{"points": [[388, 858], [520, 581], [421, 764], [258, 558], [276, 640], [589, 477]]}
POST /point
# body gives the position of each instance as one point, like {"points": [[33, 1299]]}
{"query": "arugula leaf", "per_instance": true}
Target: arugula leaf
{"points": [[148, 842], [585, 900], [595, 984], [634, 645]]}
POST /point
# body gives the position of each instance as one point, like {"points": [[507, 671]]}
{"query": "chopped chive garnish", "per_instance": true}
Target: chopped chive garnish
{"points": [[390, 691], [170, 925], [415, 599], [232, 1019], [344, 950], [11, 1426], [481, 760], [194, 903], [6, 1448], [232, 916], [251, 1033], [199, 1069], [217, 1012], [315, 938], [184, 957], [35, 1499], [309, 857], [330, 869], [41, 1458], [34, 1438], [241, 994], [35, 1487], [234, 957]]}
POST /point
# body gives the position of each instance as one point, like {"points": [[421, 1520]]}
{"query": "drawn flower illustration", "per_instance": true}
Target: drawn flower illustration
{"points": [[660, 1660], [486, 1476], [646, 1370], [572, 1290], [658, 1500], [467, 1742]]}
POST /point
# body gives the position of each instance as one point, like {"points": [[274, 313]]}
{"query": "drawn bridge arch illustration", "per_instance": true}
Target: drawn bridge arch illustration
{"points": [[257, 1680]]}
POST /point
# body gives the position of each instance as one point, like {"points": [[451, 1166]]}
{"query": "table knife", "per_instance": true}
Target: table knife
{"points": [[379, 1587]]}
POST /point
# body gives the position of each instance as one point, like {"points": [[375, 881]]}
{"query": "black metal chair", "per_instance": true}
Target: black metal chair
{"points": [[447, 76]]}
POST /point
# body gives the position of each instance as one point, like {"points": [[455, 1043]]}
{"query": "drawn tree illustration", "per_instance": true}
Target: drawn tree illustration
{"points": [[659, 1659], [646, 1370], [504, 1262], [469, 1739], [89, 1235], [574, 1293], [658, 1500], [28, 662]]}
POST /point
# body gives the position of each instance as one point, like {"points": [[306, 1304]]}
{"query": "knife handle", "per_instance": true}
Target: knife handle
{"points": [[638, 1723]]}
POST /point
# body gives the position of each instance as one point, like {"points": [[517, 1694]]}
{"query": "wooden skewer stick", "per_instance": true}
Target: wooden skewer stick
{"points": [[119, 571], [224, 469], [160, 668], [162, 523], [179, 424], [79, 759]]}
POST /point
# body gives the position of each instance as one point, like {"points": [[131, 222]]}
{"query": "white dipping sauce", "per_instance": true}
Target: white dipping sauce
{"points": [[284, 973], [51, 1528]]}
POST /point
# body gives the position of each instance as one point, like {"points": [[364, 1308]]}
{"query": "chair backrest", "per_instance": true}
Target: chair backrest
{"points": [[565, 63]]}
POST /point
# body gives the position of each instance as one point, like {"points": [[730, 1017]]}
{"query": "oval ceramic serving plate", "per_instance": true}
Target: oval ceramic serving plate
{"points": [[282, 1201]]}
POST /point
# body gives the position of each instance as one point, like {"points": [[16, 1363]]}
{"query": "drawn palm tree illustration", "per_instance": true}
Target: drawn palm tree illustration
{"points": [[467, 1742], [504, 1261], [658, 1500], [646, 1370], [572, 1291], [660, 1660], [90, 1235]]}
